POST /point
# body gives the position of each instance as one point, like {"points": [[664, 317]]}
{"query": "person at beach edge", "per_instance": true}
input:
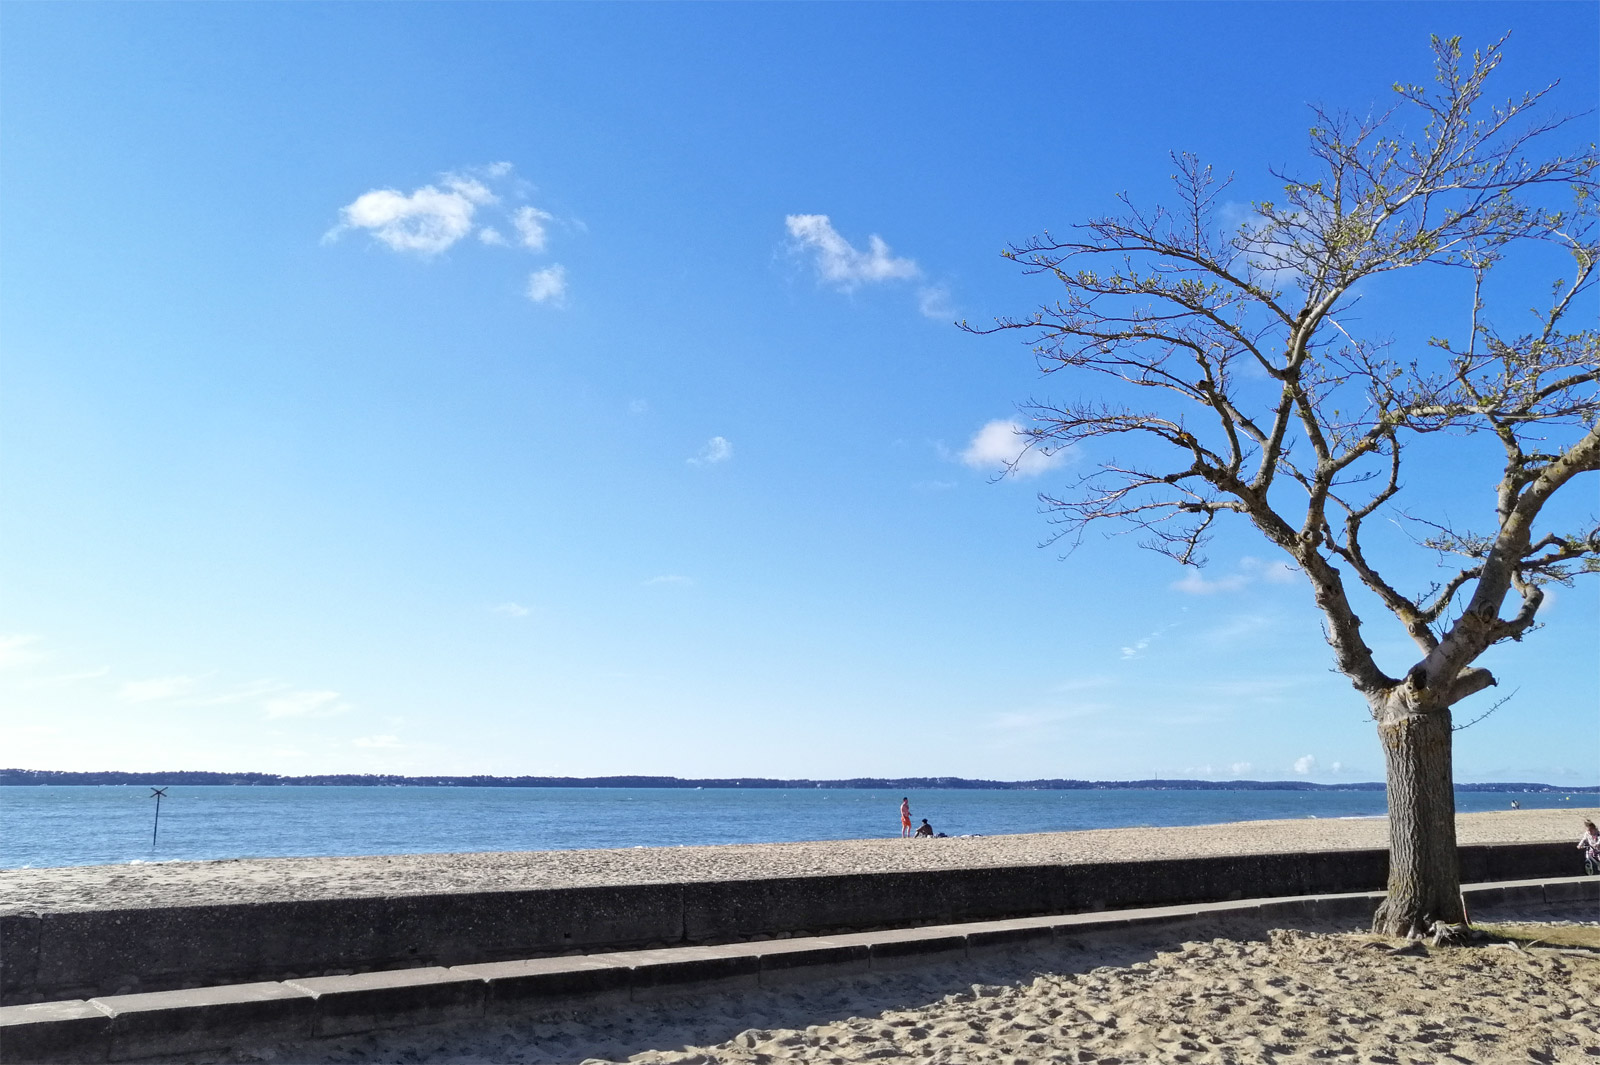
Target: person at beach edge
{"points": [[1589, 844], [905, 818]]}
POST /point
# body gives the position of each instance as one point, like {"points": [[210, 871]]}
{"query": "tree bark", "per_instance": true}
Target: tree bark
{"points": [[1424, 869]]}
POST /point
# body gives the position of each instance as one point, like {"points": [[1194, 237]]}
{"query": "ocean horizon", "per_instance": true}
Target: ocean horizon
{"points": [[64, 825]]}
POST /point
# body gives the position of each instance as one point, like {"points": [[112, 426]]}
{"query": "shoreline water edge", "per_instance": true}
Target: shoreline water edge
{"points": [[1215, 992], [51, 826], [288, 879]]}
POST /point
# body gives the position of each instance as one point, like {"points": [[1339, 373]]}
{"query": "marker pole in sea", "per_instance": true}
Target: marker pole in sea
{"points": [[156, 794]]}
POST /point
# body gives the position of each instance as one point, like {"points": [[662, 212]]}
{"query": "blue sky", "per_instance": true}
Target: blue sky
{"points": [[572, 389]]}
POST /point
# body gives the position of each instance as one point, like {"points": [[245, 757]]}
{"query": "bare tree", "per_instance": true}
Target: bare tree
{"points": [[1235, 372]]}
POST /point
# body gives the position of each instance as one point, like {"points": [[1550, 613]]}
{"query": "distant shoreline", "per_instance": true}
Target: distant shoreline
{"points": [[42, 777]]}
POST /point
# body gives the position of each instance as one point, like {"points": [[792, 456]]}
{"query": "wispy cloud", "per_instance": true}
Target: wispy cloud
{"points": [[670, 578], [1141, 645], [1002, 446], [384, 742], [933, 301], [530, 227], [244, 694], [1138, 647], [1193, 582], [1254, 689], [304, 704], [841, 264], [1078, 684], [1250, 571], [1036, 720], [16, 649], [1238, 628], [510, 610], [65, 680], [548, 285], [156, 688], [638, 406], [717, 449], [1239, 769]]}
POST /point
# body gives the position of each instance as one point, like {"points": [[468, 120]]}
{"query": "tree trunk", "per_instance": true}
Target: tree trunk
{"points": [[1424, 869]]}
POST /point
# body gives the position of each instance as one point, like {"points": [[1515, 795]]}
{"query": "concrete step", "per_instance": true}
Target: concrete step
{"points": [[159, 1024]]}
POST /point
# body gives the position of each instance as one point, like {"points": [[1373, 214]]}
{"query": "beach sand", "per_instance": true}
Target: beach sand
{"points": [[1228, 994], [280, 879], [1230, 991]]}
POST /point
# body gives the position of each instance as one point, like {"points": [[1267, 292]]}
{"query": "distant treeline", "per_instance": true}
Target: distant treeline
{"points": [[18, 777]]}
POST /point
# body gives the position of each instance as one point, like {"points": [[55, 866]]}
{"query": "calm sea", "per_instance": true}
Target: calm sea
{"points": [[53, 826]]}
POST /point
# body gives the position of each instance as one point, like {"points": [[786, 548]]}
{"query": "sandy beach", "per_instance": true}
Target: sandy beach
{"points": [[280, 879], [1229, 993], [1226, 991]]}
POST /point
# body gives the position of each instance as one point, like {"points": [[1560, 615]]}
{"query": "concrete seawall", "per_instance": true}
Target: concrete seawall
{"points": [[87, 953]]}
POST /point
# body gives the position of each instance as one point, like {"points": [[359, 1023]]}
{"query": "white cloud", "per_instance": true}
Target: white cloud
{"points": [[16, 649], [511, 610], [427, 221], [145, 691], [1337, 767], [1000, 445], [838, 262], [304, 704], [1239, 769], [717, 449], [670, 578], [1305, 764], [435, 217], [1193, 582], [1274, 572], [638, 406], [1250, 571], [933, 301], [530, 227], [386, 742], [548, 285]]}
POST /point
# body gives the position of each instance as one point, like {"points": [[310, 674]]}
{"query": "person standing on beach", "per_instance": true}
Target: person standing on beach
{"points": [[905, 818]]}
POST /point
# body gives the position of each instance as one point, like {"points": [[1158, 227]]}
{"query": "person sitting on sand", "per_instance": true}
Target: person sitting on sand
{"points": [[1588, 843], [925, 829]]}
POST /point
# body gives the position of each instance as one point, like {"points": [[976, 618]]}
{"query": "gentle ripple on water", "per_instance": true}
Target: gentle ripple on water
{"points": [[54, 826]]}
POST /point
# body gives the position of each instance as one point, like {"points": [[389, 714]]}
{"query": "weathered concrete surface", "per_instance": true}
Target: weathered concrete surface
{"points": [[73, 1031], [81, 954], [188, 1022], [363, 1002], [166, 1023]]}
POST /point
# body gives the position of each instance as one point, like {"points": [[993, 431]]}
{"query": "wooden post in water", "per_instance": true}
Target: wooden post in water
{"points": [[156, 794]]}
